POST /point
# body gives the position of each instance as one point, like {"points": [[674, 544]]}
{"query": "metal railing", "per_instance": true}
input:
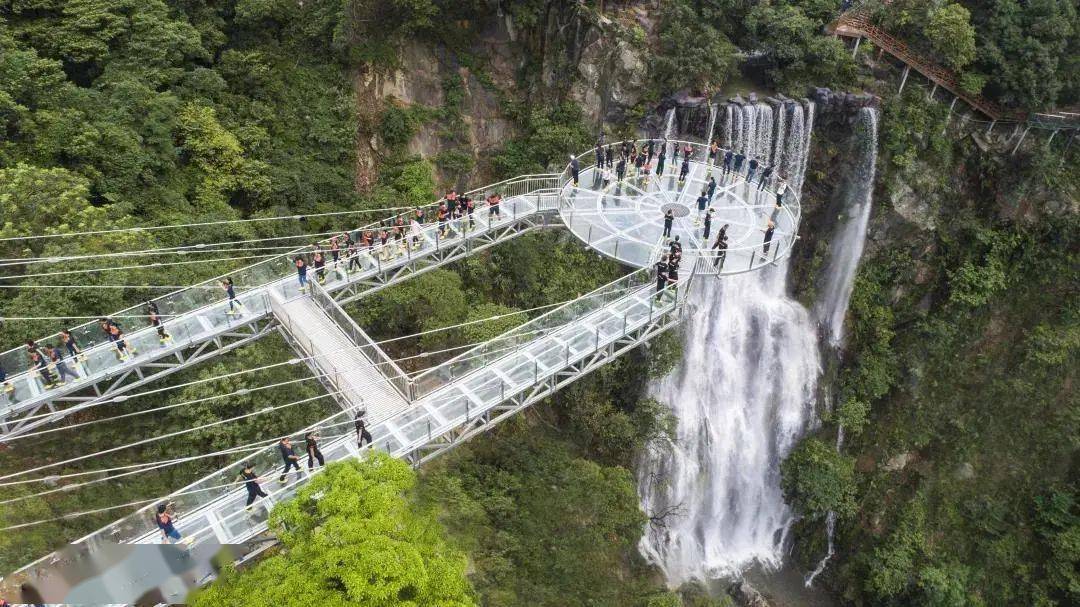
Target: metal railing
{"points": [[367, 346]]}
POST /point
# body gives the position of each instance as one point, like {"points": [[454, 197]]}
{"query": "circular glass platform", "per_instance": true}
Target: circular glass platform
{"points": [[624, 219]]}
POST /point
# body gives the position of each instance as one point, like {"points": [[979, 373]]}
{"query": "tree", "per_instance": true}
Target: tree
{"points": [[484, 330], [951, 35], [692, 53], [817, 479], [352, 536]]}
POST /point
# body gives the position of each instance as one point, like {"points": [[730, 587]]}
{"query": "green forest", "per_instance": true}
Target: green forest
{"points": [[260, 125]]}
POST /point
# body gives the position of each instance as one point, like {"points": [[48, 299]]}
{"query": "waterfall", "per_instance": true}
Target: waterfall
{"points": [[800, 173], [742, 396], [764, 137], [668, 127], [712, 124], [778, 146], [847, 243], [728, 124]]}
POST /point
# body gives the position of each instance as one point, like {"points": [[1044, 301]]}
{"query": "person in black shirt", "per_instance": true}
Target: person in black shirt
{"points": [[311, 445], [251, 483], [727, 162], [753, 167], [660, 160], [720, 248], [768, 237], [676, 249], [685, 170], [661, 276], [669, 219], [708, 227], [361, 429], [574, 169], [764, 179], [289, 457], [620, 169], [739, 158]]}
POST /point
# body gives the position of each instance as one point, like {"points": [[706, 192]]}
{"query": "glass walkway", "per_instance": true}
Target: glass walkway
{"points": [[420, 416]]}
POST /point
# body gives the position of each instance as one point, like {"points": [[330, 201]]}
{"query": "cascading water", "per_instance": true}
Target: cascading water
{"points": [[847, 245], [669, 127], [742, 396], [830, 527], [728, 124], [711, 125]]}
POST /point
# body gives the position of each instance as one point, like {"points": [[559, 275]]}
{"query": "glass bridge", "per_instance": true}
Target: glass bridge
{"points": [[421, 416]]}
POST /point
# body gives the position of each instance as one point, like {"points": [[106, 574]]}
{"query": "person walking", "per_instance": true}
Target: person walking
{"points": [[727, 162], [235, 307], [470, 206], [39, 362], [662, 269], [685, 170], [764, 179], [166, 523], [620, 169], [669, 220], [57, 359], [319, 262], [353, 255], [362, 433], [714, 151], [574, 169], [311, 446], [720, 248], [335, 252], [753, 167], [739, 159], [702, 202], [712, 187], [301, 272], [708, 226], [660, 160], [675, 253], [73, 349], [781, 189], [599, 155], [493, 207], [155, 321], [768, 239], [251, 483], [288, 455]]}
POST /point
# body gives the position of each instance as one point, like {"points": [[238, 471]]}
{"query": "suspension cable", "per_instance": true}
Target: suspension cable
{"points": [[297, 217]]}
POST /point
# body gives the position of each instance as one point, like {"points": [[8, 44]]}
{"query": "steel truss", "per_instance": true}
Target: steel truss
{"points": [[443, 255], [455, 437], [113, 384]]}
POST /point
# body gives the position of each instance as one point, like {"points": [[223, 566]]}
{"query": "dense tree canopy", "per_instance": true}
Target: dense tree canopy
{"points": [[352, 536]]}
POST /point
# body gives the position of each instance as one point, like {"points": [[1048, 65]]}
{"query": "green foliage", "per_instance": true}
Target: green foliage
{"points": [[550, 136], [853, 415], [951, 35], [352, 536], [430, 301], [816, 479], [973, 82], [413, 182], [455, 163], [692, 53], [798, 55], [1030, 49], [531, 513], [484, 330], [665, 353], [667, 599]]}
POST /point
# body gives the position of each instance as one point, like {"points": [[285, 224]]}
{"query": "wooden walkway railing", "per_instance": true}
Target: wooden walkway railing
{"points": [[856, 24]]}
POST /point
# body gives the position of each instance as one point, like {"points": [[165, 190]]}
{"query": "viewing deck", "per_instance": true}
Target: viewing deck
{"points": [[421, 416]]}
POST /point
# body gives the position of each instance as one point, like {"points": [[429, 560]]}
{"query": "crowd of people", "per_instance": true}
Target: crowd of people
{"points": [[165, 517]]}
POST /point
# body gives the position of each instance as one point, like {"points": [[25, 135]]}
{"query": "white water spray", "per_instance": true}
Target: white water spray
{"points": [[847, 245], [711, 125], [743, 396], [668, 128]]}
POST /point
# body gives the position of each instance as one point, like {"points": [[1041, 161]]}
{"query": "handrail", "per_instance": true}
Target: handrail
{"points": [[198, 297], [375, 355]]}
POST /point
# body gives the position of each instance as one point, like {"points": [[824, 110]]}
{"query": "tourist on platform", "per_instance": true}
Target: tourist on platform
{"points": [[353, 257], [702, 202], [493, 206], [56, 357], [661, 276], [301, 272], [685, 170], [766, 173], [311, 447], [362, 433], [712, 187], [165, 522], [781, 189], [708, 226], [753, 167], [319, 263], [155, 321], [727, 162], [620, 169], [73, 349], [660, 160], [470, 207], [600, 155], [669, 220], [575, 169], [714, 150], [288, 455], [251, 483], [335, 251], [675, 255], [768, 239], [720, 248], [235, 307], [739, 159]]}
